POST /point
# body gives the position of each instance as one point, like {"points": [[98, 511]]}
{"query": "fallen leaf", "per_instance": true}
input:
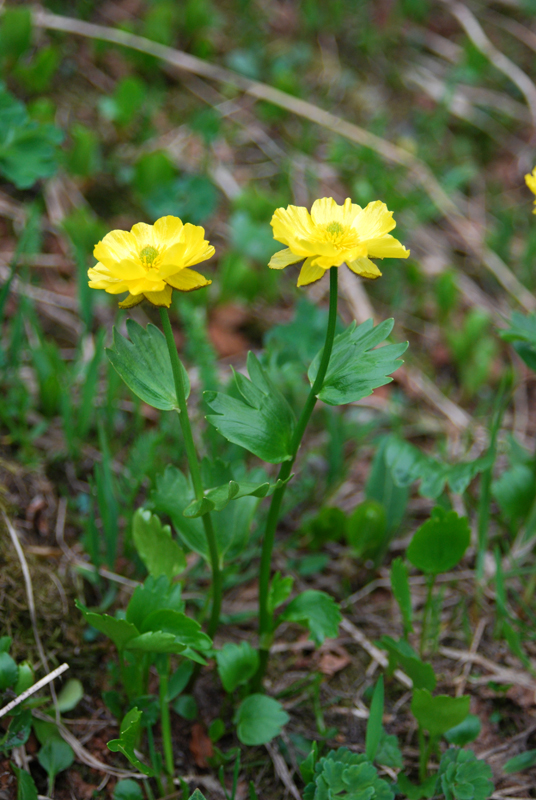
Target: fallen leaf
{"points": [[200, 746]]}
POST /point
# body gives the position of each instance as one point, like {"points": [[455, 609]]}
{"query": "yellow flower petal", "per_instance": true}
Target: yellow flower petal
{"points": [[126, 270], [283, 258], [326, 210], [168, 229], [291, 225], [131, 301], [364, 267], [116, 246], [144, 235], [309, 273], [530, 180], [373, 221], [386, 247], [162, 298], [187, 280]]}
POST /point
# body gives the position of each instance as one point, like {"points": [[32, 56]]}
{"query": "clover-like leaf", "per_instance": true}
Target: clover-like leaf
{"points": [[355, 368], [261, 421], [462, 775], [343, 775], [317, 611], [144, 364]]}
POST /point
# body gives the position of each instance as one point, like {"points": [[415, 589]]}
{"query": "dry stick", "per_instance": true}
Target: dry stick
{"points": [[261, 91], [35, 688], [282, 771], [31, 604], [374, 651]]}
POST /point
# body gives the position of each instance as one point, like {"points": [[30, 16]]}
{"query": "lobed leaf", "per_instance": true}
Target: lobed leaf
{"points": [[355, 369], [216, 499], [262, 421], [159, 552], [128, 739]]}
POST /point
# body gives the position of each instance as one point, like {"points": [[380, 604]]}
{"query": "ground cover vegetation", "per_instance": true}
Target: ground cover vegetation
{"points": [[261, 540]]}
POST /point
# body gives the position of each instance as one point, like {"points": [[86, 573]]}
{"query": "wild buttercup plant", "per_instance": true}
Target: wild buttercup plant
{"points": [[151, 261]]}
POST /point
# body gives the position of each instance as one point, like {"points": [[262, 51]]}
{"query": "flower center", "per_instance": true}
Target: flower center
{"points": [[335, 228], [148, 255]]}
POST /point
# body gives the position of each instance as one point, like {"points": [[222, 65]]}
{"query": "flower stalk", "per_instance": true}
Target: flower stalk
{"points": [[265, 615], [195, 471]]}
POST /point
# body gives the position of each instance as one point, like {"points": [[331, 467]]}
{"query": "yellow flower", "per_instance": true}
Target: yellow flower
{"points": [[332, 235], [151, 261], [530, 180]]}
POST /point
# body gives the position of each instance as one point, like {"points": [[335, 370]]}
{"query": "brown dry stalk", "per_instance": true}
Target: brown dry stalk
{"points": [[392, 153]]}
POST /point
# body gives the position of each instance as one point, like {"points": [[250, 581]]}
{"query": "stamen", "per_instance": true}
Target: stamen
{"points": [[334, 228], [148, 255]]}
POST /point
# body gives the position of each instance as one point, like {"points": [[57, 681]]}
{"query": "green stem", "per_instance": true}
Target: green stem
{"points": [[426, 613], [265, 616], [195, 471], [165, 721]]}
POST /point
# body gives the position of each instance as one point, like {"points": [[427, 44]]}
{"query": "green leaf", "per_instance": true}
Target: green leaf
{"points": [[514, 492], [375, 724], [522, 334], [413, 792], [403, 655], [18, 732], [144, 364], [438, 714], [520, 762], [216, 499], [382, 488], [186, 707], [159, 552], [9, 671], [466, 732], [5, 644], [237, 663], [197, 795], [128, 789], [15, 32], [463, 776], [156, 642], [118, 630], [70, 695], [179, 680], [439, 544], [128, 740], [407, 464], [173, 493], [26, 788], [307, 767], [25, 678], [389, 753], [355, 369], [402, 592], [317, 611], [259, 719], [262, 421], [232, 524], [153, 595], [366, 529], [346, 776], [55, 756], [28, 149], [279, 591], [187, 631]]}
